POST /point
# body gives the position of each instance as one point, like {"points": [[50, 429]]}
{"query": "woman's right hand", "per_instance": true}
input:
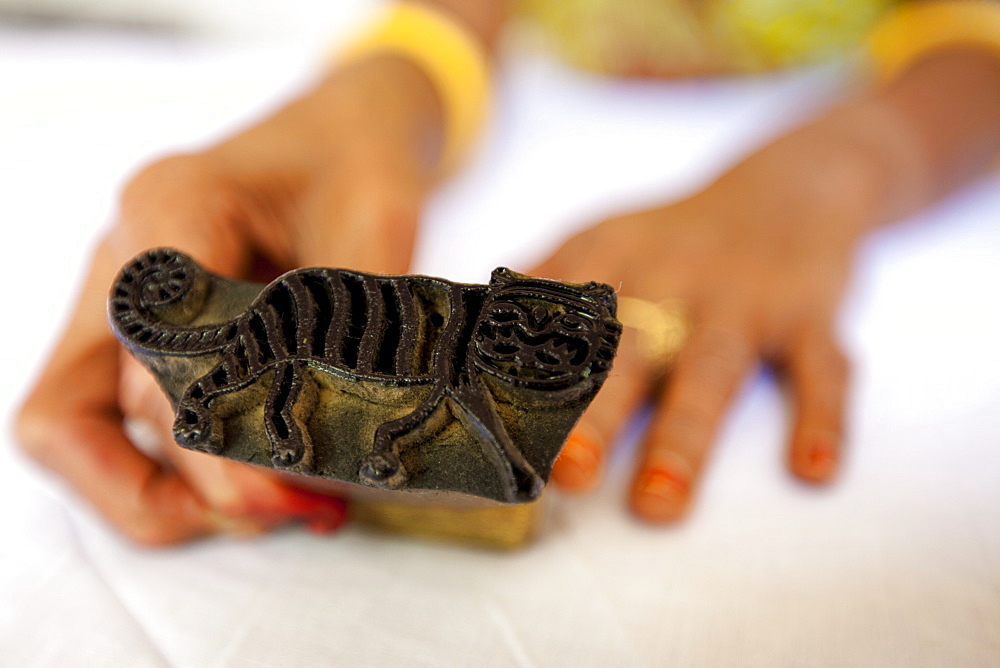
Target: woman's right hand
{"points": [[336, 178]]}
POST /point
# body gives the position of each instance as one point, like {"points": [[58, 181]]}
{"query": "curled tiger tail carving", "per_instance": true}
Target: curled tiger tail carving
{"points": [[154, 298], [153, 301]]}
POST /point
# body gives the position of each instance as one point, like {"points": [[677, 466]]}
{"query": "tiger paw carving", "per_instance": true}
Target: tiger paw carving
{"points": [[383, 470], [195, 431]]}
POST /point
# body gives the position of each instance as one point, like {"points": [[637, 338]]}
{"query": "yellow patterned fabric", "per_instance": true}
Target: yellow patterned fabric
{"points": [[696, 37]]}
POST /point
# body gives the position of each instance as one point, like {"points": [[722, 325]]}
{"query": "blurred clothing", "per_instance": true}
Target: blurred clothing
{"points": [[669, 38]]}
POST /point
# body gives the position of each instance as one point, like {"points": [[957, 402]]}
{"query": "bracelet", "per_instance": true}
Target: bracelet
{"points": [[452, 59], [914, 30]]}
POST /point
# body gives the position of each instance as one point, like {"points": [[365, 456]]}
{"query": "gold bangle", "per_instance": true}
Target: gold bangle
{"points": [[914, 30], [448, 54]]}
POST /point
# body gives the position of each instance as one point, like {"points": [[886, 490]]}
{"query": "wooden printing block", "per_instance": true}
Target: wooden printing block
{"points": [[410, 394]]}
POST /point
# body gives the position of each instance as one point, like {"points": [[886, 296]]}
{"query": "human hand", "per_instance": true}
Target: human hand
{"points": [[759, 261], [336, 178]]}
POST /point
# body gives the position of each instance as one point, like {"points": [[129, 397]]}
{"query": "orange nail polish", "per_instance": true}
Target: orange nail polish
{"points": [[578, 463], [660, 494], [292, 503], [820, 456], [322, 526], [820, 459]]}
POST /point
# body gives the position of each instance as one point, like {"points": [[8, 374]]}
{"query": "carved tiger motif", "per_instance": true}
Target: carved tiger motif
{"points": [[533, 336]]}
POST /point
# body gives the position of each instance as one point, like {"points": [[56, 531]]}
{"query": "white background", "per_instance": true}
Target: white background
{"points": [[896, 564]]}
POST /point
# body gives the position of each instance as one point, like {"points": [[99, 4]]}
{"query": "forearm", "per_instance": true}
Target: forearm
{"points": [[951, 103], [928, 131]]}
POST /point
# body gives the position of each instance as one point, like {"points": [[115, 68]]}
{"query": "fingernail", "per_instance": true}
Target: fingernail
{"points": [[323, 514], [327, 513], [303, 503], [820, 460], [322, 526], [578, 463], [660, 494], [291, 503], [329, 518]]}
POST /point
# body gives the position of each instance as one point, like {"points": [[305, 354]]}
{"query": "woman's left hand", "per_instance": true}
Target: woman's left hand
{"points": [[759, 261]]}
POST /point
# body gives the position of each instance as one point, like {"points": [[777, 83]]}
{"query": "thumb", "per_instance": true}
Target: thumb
{"points": [[187, 202]]}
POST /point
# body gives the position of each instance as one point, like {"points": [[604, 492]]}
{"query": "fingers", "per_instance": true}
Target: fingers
{"points": [[78, 435], [581, 462], [246, 500], [71, 424], [71, 421], [365, 220], [241, 499], [187, 202], [818, 374], [706, 375]]}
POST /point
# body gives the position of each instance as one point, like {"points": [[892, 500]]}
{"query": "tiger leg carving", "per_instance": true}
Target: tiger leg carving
{"points": [[194, 426], [289, 402], [382, 467], [522, 481]]}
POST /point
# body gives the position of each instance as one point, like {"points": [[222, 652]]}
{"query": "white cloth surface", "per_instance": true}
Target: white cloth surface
{"points": [[897, 564]]}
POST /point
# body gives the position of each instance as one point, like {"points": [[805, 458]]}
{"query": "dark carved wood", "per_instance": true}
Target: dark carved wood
{"points": [[397, 382]]}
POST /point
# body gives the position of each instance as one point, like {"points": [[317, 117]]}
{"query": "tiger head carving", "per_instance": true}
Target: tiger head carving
{"points": [[545, 335]]}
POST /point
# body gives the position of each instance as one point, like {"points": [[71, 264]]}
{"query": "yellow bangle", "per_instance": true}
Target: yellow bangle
{"points": [[914, 30], [452, 58]]}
